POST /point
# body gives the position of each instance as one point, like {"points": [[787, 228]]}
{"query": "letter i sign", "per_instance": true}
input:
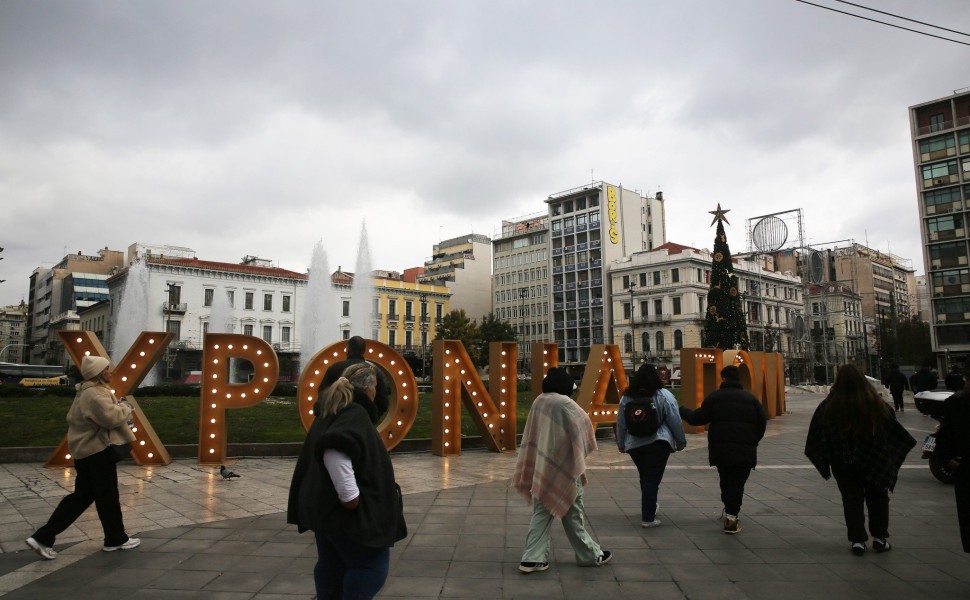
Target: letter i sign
{"points": [[147, 449]]}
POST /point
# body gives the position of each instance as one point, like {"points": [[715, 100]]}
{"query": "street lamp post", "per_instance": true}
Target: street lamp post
{"points": [[424, 334], [523, 292], [633, 331]]}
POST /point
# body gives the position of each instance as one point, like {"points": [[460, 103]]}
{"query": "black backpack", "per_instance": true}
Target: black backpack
{"points": [[642, 419]]}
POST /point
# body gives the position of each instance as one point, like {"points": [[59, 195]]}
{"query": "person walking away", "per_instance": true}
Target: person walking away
{"points": [[897, 384], [855, 437], [356, 349], [343, 489], [737, 423], [550, 472], [649, 448], [953, 444], [95, 421], [954, 379]]}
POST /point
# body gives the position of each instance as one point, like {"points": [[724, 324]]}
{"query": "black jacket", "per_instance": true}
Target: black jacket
{"points": [[378, 520], [737, 423], [337, 369]]}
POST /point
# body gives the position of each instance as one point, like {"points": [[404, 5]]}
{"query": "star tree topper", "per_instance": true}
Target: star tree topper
{"points": [[719, 214]]}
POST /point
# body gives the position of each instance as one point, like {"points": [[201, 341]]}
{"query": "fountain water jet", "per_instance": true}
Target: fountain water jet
{"points": [[318, 325], [132, 314], [362, 292]]}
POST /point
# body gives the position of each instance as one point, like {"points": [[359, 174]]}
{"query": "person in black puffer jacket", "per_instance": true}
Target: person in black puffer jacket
{"points": [[737, 423]]}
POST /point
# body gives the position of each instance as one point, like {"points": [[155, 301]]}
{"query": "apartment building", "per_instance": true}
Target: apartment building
{"points": [[940, 134], [463, 265], [56, 293], [520, 280], [13, 327]]}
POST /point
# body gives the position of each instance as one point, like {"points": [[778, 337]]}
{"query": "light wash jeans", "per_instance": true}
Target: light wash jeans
{"points": [[537, 542]]}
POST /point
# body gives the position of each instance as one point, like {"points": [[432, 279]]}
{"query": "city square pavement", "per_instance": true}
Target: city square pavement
{"points": [[204, 537]]}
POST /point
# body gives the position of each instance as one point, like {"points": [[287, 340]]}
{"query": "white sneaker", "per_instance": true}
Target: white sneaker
{"points": [[44, 552], [649, 524], [131, 544]]}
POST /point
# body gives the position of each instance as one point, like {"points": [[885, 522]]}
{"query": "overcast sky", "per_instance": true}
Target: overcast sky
{"points": [[258, 128]]}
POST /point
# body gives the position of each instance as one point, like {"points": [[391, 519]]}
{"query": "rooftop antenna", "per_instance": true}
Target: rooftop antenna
{"points": [[591, 178]]}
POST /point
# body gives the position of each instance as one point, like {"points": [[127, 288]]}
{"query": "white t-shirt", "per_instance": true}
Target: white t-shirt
{"points": [[341, 472]]}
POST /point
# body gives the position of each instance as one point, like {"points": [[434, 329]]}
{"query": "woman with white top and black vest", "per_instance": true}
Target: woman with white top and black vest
{"points": [[343, 490]]}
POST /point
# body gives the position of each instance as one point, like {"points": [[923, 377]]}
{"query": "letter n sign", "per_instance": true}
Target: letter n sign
{"points": [[455, 378]]}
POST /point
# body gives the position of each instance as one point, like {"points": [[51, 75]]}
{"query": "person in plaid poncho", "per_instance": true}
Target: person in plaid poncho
{"points": [[551, 470]]}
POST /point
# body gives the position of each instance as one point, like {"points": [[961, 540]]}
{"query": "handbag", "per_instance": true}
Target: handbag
{"points": [[119, 452]]}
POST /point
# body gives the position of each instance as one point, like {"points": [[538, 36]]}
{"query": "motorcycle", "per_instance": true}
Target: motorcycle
{"points": [[931, 405]]}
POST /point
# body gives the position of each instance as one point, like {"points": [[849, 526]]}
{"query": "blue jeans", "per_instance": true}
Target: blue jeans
{"points": [[347, 570], [651, 460]]}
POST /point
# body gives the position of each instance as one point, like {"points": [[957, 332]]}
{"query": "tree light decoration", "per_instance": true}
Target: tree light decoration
{"points": [[402, 392], [147, 350], [218, 350]]}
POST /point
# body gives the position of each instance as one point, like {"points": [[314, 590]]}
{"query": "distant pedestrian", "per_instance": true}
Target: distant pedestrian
{"points": [[897, 384], [954, 379], [856, 437], [953, 444], [551, 471], [343, 489], [95, 421], [356, 350], [737, 423], [924, 380], [650, 452]]}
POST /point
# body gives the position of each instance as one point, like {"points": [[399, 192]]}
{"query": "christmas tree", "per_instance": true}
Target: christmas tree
{"points": [[725, 327]]}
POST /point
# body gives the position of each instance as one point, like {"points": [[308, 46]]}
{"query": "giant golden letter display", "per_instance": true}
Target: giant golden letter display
{"points": [[455, 380]]}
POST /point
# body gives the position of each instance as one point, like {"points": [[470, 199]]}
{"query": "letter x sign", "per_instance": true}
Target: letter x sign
{"points": [[147, 449]]}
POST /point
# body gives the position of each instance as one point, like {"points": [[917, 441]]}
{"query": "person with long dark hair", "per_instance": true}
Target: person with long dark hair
{"points": [[854, 436], [343, 490], [650, 452]]}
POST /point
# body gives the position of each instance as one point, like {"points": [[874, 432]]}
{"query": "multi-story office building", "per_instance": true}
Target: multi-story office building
{"points": [[56, 293], [520, 280], [659, 305], [13, 325], [590, 227], [940, 131], [464, 265]]}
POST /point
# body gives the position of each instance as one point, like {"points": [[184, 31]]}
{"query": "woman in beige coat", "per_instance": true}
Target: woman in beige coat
{"points": [[95, 421]]}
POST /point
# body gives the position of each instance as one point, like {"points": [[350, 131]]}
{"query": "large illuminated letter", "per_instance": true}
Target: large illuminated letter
{"points": [[544, 357], [700, 374], [218, 394], [128, 374], [402, 393], [455, 377], [603, 383]]}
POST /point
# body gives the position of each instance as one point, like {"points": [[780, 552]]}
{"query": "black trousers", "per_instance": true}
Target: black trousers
{"points": [[857, 495], [961, 487], [96, 482], [732, 487], [898, 400]]}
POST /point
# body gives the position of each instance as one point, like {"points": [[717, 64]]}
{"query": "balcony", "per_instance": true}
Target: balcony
{"points": [[557, 251], [169, 308], [594, 244], [581, 247], [557, 287], [580, 228], [556, 270], [556, 233], [596, 302], [409, 318], [393, 317], [594, 225], [596, 282]]}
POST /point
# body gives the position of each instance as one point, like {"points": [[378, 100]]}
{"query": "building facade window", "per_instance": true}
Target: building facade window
{"points": [[286, 303], [267, 333], [345, 308], [267, 301], [249, 300], [285, 335], [247, 330], [207, 295]]}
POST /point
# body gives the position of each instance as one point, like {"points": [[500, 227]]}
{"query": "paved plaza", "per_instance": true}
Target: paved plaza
{"points": [[203, 537]]}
